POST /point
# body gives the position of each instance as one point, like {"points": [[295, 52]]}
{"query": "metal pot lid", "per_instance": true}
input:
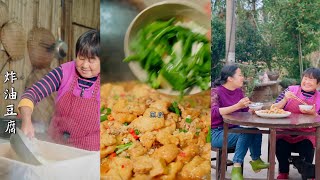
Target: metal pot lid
{"points": [[26, 149]]}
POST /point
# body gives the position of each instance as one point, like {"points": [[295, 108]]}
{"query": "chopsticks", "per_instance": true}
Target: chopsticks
{"points": [[297, 98]]}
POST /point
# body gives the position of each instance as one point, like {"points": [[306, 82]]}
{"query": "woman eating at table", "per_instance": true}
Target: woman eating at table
{"points": [[289, 100], [227, 97]]}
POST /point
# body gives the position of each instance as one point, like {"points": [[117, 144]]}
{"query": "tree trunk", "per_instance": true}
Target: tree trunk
{"points": [[230, 32], [300, 56]]}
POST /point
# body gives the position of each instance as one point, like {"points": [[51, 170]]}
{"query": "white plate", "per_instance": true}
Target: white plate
{"points": [[266, 115]]}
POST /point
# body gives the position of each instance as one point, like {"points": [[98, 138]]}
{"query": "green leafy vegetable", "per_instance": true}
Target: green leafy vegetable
{"points": [[183, 130], [175, 108], [136, 131], [172, 55], [104, 112], [188, 120], [103, 117], [123, 147]]}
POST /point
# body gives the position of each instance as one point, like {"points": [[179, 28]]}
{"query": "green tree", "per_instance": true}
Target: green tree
{"points": [[294, 27], [218, 46]]}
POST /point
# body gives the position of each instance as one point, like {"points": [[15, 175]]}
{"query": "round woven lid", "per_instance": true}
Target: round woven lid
{"points": [[3, 60], [13, 39], [3, 57], [40, 47], [4, 13]]}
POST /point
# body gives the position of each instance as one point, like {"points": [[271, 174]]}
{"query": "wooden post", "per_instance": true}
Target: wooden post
{"points": [[224, 155], [317, 162], [66, 27], [272, 151]]}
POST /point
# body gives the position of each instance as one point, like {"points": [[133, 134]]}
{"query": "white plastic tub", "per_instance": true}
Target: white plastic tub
{"points": [[63, 163]]}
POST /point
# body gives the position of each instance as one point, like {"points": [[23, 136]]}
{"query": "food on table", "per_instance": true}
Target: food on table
{"points": [[148, 135], [256, 106], [174, 53], [274, 110], [305, 107]]}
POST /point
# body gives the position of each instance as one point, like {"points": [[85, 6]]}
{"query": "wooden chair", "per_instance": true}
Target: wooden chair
{"points": [[217, 166]]}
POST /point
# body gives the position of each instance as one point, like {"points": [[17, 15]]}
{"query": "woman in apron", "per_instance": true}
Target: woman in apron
{"points": [[304, 145], [76, 118]]}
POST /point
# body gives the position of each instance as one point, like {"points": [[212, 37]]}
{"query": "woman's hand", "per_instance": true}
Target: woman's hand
{"points": [[26, 126], [289, 95], [311, 111], [243, 103]]}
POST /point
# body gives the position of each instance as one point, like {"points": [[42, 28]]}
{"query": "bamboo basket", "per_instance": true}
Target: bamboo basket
{"points": [[13, 39], [3, 60], [40, 47], [4, 13]]}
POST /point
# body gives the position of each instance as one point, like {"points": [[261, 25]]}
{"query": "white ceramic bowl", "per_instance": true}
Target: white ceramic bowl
{"points": [[255, 106], [305, 107]]}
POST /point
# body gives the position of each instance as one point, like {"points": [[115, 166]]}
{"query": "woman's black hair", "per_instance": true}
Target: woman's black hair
{"points": [[226, 71], [313, 73], [88, 44]]}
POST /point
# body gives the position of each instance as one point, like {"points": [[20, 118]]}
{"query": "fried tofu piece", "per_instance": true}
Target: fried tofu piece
{"points": [[197, 168], [192, 112], [133, 107], [106, 151], [142, 164], [112, 174], [147, 123], [189, 152], [124, 117], [140, 91], [205, 151], [158, 167], [110, 90], [173, 116], [107, 139], [164, 137], [136, 149], [167, 152], [161, 105], [173, 169], [141, 177], [202, 139], [104, 166], [185, 138], [170, 126], [147, 139], [120, 166], [103, 127]]}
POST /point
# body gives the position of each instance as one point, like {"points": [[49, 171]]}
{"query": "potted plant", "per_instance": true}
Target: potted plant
{"points": [[273, 75], [286, 82]]}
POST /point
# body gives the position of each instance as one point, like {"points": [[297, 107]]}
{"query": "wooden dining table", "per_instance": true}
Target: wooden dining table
{"points": [[274, 126]]}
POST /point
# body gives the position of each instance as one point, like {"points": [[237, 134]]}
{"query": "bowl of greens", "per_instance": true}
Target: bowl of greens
{"points": [[166, 46]]}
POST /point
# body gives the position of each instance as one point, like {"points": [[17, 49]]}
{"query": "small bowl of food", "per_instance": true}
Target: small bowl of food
{"points": [[305, 107], [255, 106]]}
